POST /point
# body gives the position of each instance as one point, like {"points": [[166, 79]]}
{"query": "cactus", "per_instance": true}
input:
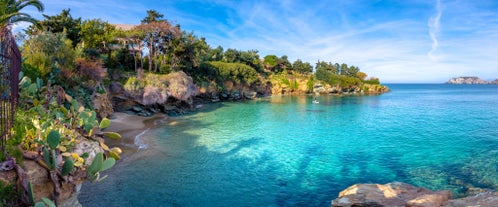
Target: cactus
{"points": [[104, 123], [98, 165], [111, 135], [45, 202], [31, 195], [50, 157], [53, 139], [67, 167]]}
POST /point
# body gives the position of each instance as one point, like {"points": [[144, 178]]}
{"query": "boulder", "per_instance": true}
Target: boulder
{"points": [[102, 105], [250, 95], [485, 199], [391, 194]]}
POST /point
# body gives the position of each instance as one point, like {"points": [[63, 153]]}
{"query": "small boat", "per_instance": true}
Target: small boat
{"points": [[315, 101]]}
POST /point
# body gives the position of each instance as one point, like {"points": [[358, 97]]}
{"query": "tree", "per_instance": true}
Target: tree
{"points": [[283, 64], [156, 36], [302, 67], [270, 62], [250, 58], [214, 54], [10, 11], [152, 16], [96, 34], [48, 50], [350, 71], [186, 51], [231, 56], [62, 22], [331, 68], [361, 75]]}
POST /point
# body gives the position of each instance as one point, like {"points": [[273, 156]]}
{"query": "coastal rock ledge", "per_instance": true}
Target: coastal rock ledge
{"points": [[398, 194]]}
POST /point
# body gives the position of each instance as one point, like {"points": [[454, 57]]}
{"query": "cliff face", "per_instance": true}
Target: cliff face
{"points": [[470, 80]]}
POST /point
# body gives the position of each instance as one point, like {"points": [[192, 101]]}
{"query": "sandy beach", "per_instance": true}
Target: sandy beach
{"points": [[131, 126]]}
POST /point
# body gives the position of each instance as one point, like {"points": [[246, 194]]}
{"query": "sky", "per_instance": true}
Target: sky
{"points": [[398, 41]]}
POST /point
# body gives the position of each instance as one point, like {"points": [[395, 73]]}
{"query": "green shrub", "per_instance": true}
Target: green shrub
{"points": [[373, 81], [236, 72], [9, 195]]}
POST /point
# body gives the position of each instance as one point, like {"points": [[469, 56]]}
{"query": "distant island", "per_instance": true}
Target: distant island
{"points": [[470, 80]]}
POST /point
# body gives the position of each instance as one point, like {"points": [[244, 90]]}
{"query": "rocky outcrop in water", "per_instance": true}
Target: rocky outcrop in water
{"points": [[337, 89], [486, 199], [391, 194], [232, 91], [470, 80], [404, 195]]}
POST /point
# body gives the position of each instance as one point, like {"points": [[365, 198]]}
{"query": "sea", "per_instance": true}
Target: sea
{"points": [[289, 151]]}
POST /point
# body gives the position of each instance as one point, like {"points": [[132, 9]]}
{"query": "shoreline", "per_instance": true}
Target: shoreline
{"points": [[131, 127]]}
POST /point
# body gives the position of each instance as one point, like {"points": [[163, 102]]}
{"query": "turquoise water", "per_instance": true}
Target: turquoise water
{"points": [[286, 151]]}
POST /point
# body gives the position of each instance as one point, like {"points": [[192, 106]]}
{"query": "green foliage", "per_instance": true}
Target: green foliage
{"points": [[67, 167], [373, 81], [104, 123], [61, 23], [9, 195], [152, 16], [98, 165], [30, 71], [302, 67], [236, 72], [31, 194], [270, 61], [45, 202], [53, 139], [10, 12], [44, 121], [361, 75], [96, 33], [111, 135], [47, 51], [310, 83], [329, 67], [322, 74]]}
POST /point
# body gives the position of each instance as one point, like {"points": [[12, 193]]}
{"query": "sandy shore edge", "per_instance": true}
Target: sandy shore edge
{"points": [[129, 126]]}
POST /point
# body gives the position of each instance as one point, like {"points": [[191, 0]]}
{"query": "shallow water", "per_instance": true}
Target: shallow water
{"points": [[286, 151]]}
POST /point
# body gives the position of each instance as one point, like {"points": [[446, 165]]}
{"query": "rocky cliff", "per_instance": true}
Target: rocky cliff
{"points": [[470, 80], [401, 194]]}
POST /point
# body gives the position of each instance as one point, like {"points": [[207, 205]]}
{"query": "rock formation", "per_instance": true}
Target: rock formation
{"points": [[470, 80], [486, 199], [43, 186], [391, 194], [404, 195]]}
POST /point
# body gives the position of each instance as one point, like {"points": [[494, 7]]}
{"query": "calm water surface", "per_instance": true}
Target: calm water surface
{"points": [[286, 151]]}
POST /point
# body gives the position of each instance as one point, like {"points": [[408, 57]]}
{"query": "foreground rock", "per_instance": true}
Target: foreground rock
{"points": [[470, 80], [404, 195], [391, 194], [486, 199]]}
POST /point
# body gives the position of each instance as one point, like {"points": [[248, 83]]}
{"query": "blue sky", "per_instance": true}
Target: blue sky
{"points": [[399, 41]]}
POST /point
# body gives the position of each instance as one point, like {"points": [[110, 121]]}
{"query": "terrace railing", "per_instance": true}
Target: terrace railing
{"points": [[10, 66]]}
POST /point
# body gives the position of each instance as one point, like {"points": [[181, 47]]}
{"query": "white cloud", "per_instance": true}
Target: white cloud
{"points": [[434, 27]]}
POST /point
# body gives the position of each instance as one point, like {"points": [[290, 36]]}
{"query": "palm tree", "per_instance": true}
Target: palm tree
{"points": [[10, 11]]}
